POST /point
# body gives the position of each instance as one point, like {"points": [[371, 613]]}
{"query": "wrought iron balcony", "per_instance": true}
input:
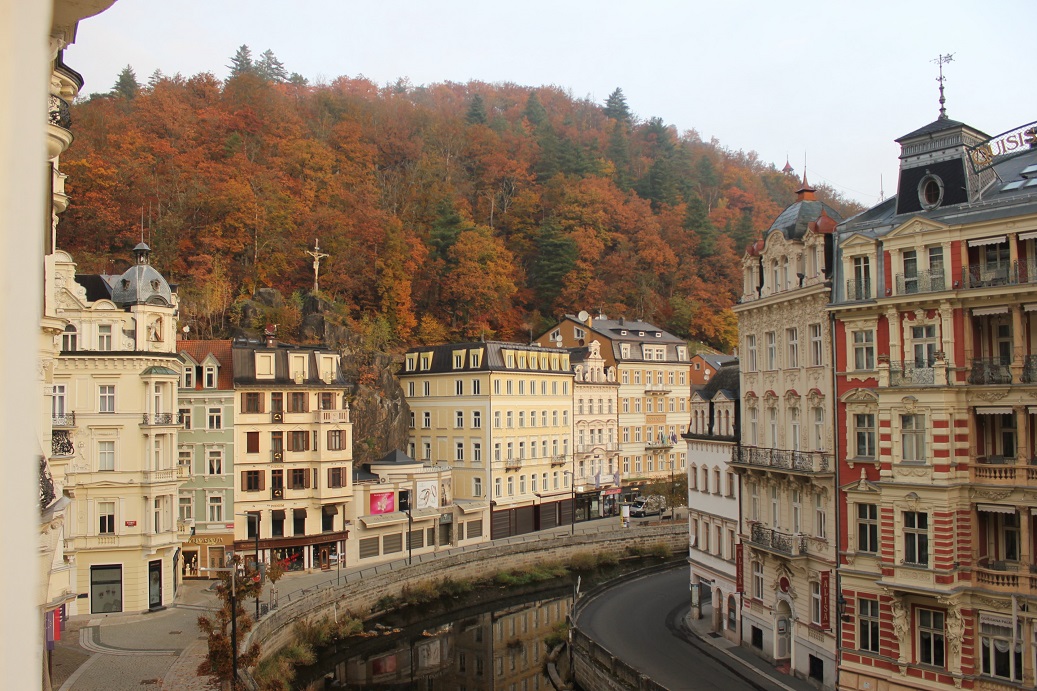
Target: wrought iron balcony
{"points": [[47, 491], [512, 464], [777, 541], [60, 113], [61, 443], [1015, 273], [63, 420], [990, 371], [782, 459], [1030, 369], [858, 289], [911, 373], [921, 282]]}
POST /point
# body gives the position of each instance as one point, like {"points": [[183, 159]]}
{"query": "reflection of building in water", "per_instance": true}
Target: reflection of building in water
{"points": [[503, 649]]}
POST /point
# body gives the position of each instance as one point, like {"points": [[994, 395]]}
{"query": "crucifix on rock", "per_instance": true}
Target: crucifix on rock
{"points": [[317, 256]]}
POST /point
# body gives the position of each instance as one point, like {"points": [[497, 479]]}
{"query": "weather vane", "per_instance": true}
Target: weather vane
{"points": [[317, 256], [941, 61]]}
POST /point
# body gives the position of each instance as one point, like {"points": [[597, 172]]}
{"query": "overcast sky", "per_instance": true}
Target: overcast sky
{"points": [[835, 82]]}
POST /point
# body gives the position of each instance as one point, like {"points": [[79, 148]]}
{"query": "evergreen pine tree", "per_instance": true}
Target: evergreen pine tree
{"points": [[242, 63], [270, 68], [155, 78], [616, 107], [297, 79], [476, 111], [535, 111], [126, 85]]}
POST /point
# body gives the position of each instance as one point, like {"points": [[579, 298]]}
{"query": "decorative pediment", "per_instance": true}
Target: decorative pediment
{"points": [[104, 305], [864, 485], [792, 398], [697, 398], [187, 359], [815, 397], [857, 241], [860, 395], [914, 227], [211, 360]]}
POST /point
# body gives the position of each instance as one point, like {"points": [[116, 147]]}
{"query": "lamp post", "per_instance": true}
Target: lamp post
{"points": [[572, 485], [233, 619], [259, 577]]}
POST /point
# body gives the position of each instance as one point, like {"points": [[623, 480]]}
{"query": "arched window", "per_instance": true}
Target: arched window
{"points": [[732, 613], [69, 339]]}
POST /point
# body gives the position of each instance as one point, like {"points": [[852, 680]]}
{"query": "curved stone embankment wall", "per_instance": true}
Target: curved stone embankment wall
{"points": [[361, 590]]}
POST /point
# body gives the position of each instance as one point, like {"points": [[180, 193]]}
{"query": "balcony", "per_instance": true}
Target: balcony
{"points": [[161, 419], [558, 459], [1015, 273], [183, 472], [512, 464], [990, 371], [331, 416], [1011, 578], [661, 444], [921, 282], [911, 373], [777, 541], [154, 477], [61, 443], [782, 459], [658, 389], [63, 421], [277, 492], [1030, 369], [60, 113], [859, 289], [1003, 472], [277, 456]]}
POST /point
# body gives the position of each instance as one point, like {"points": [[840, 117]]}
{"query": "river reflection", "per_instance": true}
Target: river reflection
{"points": [[501, 647]]}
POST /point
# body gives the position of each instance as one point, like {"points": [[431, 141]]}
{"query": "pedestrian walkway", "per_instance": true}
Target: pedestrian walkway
{"points": [[163, 649], [739, 658]]}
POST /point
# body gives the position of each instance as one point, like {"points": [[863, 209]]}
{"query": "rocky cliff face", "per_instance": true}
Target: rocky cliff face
{"points": [[379, 410]]}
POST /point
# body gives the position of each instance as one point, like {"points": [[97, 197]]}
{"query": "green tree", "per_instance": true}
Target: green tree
{"points": [[616, 107], [555, 257], [270, 68], [242, 63], [476, 111], [534, 110], [126, 85]]}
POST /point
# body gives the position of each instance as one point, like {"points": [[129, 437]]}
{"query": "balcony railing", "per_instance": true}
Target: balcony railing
{"points": [[921, 282], [858, 289], [660, 443], [161, 419], [656, 389], [331, 416], [911, 373], [990, 371], [512, 464], [63, 420], [783, 459], [59, 112], [1012, 274], [792, 545], [154, 476], [1030, 369], [61, 443], [603, 446]]}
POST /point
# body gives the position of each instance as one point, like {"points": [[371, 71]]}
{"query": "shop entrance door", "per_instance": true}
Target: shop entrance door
{"points": [[325, 558], [155, 584]]}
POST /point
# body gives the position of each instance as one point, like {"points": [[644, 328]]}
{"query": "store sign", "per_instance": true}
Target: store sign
{"points": [[130, 524], [739, 569], [826, 607], [608, 492], [1003, 147], [428, 494], [382, 502], [203, 540]]}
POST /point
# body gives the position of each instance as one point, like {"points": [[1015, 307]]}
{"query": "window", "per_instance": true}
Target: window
{"points": [[864, 435], [916, 538], [797, 510], [459, 419], [106, 398], [497, 487], [754, 427], [252, 402], [476, 451], [277, 441], [69, 340], [426, 451], [186, 508], [185, 417], [775, 508], [277, 402], [476, 420], [772, 349], [477, 487], [336, 439], [299, 478], [820, 518], [459, 451], [911, 271], [912, 434], [187, 379], [815, 603], [104, 337], [864, 350], [215, 418], [251, 442], [868, 625], [426, 419], [1000, 657], [252, 481], [923, 339], [931, 642], [426, 388], [105, 517], [215, 462], [757, 580], [816, 350], [476, 387], [298, 440], [754, 492], [867, 528], [860, 287], [819, 429], [327, 401], [210, 377], [522, 418], [794, 429], [792, 346], [510, 418], [215, 508], [336, 477], [511, 485], [106, 455]]}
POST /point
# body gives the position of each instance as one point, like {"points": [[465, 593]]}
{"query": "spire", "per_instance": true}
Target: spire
{"points": [[788, 170], [941, 61], [805, 191]]}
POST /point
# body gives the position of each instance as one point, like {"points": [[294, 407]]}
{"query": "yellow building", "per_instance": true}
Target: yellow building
{"points": [[500, 415], [653, 370], [114, 395], [596, 434], [293, 454]]}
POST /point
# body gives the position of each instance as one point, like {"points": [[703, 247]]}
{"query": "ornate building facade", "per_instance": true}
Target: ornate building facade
{"points": [[784, 459], [934, 300], [596, 432]]}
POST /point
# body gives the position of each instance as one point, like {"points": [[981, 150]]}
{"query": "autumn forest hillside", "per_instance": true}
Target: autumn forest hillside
{"points": [[447, 211]]}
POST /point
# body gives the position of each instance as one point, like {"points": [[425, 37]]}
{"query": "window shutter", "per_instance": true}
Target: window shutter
{"points": [[244, 480], [331, 482], [262, 480], [306, 483]]}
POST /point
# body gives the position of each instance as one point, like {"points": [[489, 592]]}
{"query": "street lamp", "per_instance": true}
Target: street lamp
{"points": [[259, 577], [572, 485], [233, 619]]}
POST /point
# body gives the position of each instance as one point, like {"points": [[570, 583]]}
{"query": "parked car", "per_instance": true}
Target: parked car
{"points": [[653, 504]]}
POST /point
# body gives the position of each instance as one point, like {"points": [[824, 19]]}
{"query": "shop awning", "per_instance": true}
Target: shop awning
{"points": [[329, 509], [469, 506], [995, 508], [277, 514], [993, 410], [381, 519], [996, 240], [300, 513], [1028, 236], [985, 311]]}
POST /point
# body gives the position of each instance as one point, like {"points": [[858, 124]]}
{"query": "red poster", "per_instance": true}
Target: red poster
{"points": [[826, 618], [739, 566], [382, 502]]}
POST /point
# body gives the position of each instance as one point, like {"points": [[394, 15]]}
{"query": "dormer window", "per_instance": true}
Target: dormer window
{"points": [[475, 357], [264, 365], [187, 380], [624, 350], [411, 362], [930, 191], [426, 361], [210, 377]]}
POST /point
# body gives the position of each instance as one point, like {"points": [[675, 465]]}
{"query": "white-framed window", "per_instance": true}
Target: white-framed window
{"points": [[916, 538], [754, 427], [815, 602], [476, 419], [426, 451], [819, 428], [459, 419], [775, 508], [187, 379], [215, 508], [1000, 651], [459, 387], [820, 518], [864, 435], [476, 451], [215, 457], [868, 625], [868, 528], [106, 455], [104, 337], [477, 486], [426, 388], [411, 424], [215, 418], [511, 485], [864, 350], [459, 451], [932, 643], [797, 511], [912, 435], [754, 493], [69, 340], [106, 517], [794, 429], [106, 398], [476, 387], [792, 347], [757, 580], [771, 339], [210, 377], [817, 354], [186, 507], [426, 420]]}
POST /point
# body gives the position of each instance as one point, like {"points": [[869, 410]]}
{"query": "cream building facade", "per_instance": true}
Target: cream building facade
{"points": [[596, 434], [500, 414], [653, 370], [788, 491]]}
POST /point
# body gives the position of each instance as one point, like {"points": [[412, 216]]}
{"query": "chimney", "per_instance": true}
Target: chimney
{"points": [[621, 321], [270, 335]]}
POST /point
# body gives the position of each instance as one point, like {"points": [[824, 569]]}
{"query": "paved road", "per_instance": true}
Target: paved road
{"points": [[639, 622]]}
